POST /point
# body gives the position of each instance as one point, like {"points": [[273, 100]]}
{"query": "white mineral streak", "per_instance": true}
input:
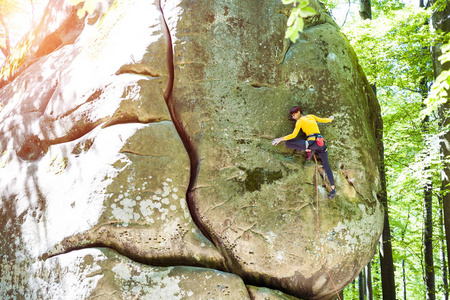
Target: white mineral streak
{"points": [[155, 283], [159, 206], [68, 276], [331, 56], [357, 232], [172, 10], [75, 193]]}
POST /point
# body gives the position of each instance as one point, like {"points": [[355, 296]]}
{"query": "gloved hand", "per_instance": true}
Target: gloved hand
{"points": [[331, 117]]}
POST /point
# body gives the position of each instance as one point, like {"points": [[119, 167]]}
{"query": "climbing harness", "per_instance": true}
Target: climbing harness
{"points": [[316, 137], [318, 227]]}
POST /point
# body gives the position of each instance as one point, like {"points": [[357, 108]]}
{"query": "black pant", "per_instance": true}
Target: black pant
{"points": [[321, 150]]}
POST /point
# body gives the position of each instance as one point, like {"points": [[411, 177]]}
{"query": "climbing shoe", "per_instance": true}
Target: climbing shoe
{"points": [[332, 194], [309, 155]]}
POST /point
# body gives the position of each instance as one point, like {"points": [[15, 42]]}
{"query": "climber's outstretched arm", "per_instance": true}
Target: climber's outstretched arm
{"points": [[277, 141]]}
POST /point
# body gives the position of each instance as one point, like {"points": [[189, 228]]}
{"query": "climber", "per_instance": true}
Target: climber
{"points": [[314, 142]]}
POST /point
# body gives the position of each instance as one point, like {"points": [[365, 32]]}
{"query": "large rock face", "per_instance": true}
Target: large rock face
{"points": [[136, 158]]}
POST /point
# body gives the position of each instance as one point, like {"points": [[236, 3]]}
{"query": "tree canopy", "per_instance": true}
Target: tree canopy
{"points": [[394, 49]]}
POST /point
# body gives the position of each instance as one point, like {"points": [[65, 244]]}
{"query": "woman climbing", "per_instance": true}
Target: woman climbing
{"points": [[314, 141]]}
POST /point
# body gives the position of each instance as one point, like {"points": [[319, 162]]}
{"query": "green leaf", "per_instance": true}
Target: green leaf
{"points": [[289, 32], [307, 12], [294, 36], [295, 22], [292, 31], [291, 20], [443, 76], [299, 25], [445, 48], [444, 57], [303, 3], [295, 11]]}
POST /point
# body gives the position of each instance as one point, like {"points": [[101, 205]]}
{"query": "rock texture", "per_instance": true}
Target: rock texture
{"points": [[137, 140]]}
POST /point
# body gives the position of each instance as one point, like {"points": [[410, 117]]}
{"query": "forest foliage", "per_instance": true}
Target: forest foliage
{"points": [[394, 49]]}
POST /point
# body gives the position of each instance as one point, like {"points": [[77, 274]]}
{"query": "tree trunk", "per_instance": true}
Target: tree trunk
{"points": [[365, 10], [404, 279], [361, 286], [403, 260], [428, 240], [445, 177], [428, 206], [442, 252], [428, 200], [386, 259], [353, 289], [441, 21], [368, 281]]}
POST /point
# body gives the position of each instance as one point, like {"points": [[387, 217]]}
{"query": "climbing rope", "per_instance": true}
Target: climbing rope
{"points": [[318, 226]]}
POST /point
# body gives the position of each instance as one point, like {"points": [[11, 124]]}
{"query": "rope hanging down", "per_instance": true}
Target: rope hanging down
{"points": [[318, 226]]}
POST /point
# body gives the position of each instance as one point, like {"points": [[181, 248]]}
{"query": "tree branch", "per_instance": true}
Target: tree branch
{"points": [[346, 15]]}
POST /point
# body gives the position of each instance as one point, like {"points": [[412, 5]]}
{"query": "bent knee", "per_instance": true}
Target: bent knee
{"points": [[297, 144]]}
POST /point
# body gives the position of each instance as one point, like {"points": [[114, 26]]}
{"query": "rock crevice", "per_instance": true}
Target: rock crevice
{"points": [[186, 139]]}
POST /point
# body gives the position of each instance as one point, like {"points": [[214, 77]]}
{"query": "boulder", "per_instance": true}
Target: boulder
{"points": [[102, 273], [235, 82], [136, 155]]}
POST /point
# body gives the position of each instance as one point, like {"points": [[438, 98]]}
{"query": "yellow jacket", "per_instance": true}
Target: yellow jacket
{"points": [[309, 126]]}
